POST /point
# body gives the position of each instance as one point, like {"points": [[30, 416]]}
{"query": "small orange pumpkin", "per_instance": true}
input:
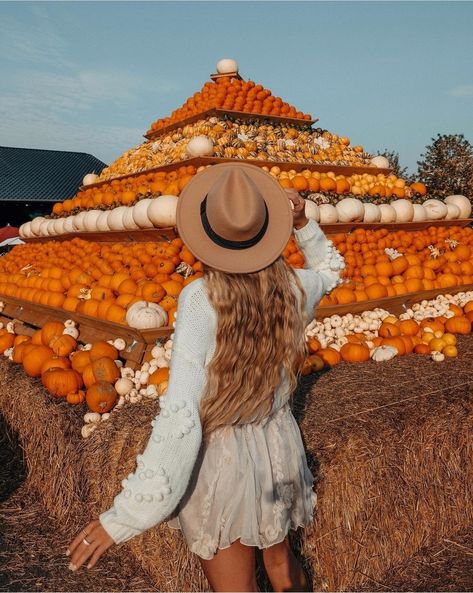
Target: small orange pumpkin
{"points": [[103, 350], [458, 325], [6, 341], [159, 376], [104, 369], [60, 382], [34, 358], [76, 397], [63, 345], [101, 397], [80, 359], [56, 362], [352, 352], [51, 329], [330, 356]]}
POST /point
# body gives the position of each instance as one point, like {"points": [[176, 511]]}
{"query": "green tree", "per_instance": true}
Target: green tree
{"points": [[446, 167]]}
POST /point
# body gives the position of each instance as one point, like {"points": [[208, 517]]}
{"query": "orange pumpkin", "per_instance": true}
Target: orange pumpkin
{"points": [[458, 325], [80, 359], [389, 330], [63, 345], [60, 382], [352, 352], [397, 343], [330, 356], [102, 369], [409, 327], [422, 349], [101, 397], [103, 349], [313, 345], [21, 340], [20, 350], [50, 330], [159, 376], [34, 359], [6, 341], [75, 398], [37, 338], [56, 362]]}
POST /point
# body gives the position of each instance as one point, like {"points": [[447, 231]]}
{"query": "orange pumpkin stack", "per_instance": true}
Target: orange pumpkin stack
{"points": [[126, 191], [437, 257], [231, 94], [103, 280]]}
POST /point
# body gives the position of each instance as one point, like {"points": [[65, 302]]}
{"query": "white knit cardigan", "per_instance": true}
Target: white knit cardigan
{"points": [[163, 470]]}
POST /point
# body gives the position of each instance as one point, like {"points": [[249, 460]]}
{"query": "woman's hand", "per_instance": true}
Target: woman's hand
{"points": [[89, 545], [298, 213]]}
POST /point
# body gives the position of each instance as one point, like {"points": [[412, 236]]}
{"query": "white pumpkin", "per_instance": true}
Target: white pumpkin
{"points": [[43, 228], [350, 210], [162, 211], [50, 228], [380, 161], [388, 214], [328, 214], [227, 66], [436, 209], [102, 221], [69, 225], [140, 214], [312, 210], [383, 353], [128, 220], [453, 212], [115, 218], [90, 178], [199, 146], [404, 210], [36, 225], [123, 386], [79, 221], [58, 226], [419, 213], [90, 220], [25, 230], [372, 213], [461, 201], [144, 315]]}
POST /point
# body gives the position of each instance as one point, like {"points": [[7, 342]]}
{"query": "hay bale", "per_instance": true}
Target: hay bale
{"points": [[390, 446], [49, 432]]}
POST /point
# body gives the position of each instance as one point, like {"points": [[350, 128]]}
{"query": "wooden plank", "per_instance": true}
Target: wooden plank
{"points": [[283, 165], [139, 236], [348, 227], [397, 304], [91, 328], [221, 113]]}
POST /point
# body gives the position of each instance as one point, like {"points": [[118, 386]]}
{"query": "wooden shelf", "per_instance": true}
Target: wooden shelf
{"points": [[221, 113], [396, 305], [283, 165], [32, 316], [139, 236], [348, 227]]}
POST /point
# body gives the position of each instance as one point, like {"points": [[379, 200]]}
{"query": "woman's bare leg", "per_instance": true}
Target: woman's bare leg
{"points": [[232, 569], [283, 569]]}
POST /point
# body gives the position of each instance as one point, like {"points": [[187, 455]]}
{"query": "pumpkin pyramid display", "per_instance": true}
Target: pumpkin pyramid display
{"points": [[228, 119]]}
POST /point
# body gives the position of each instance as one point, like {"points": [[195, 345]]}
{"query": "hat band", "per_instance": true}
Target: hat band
{"points": [[227, 243]]}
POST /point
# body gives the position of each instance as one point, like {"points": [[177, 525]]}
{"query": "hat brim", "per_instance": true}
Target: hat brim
{"points": [[236, 261]]}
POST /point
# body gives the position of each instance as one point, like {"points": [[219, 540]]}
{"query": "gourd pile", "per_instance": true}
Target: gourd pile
{"points": [[136, 284], [428, 328], [386, 264]]}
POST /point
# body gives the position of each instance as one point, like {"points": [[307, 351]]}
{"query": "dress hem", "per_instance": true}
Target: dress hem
{"points": [[251, 545]]}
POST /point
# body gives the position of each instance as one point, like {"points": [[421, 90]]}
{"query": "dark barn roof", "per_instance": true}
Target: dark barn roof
{"points": [[30, 174]]}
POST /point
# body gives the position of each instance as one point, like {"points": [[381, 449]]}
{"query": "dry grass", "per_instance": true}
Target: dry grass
{"points": [[390, 445]]}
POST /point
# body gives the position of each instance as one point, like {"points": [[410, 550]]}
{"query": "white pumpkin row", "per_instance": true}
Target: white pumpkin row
{"points": [[146, 214], [353, 210]]}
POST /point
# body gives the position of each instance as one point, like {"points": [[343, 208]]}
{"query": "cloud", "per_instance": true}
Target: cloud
{"points": [[33, 42], [463, 90]]}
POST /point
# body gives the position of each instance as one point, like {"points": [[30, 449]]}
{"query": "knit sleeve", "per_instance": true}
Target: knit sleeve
{"points": [[323, 263], [163, 470]]}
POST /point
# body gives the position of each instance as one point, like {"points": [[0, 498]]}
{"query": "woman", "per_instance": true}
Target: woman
{"points": [[225, 461]]}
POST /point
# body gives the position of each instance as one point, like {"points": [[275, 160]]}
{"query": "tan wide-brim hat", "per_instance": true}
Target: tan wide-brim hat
{"points": [[234, 217]]}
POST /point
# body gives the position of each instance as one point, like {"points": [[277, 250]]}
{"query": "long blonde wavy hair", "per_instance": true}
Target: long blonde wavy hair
{"points": [[260, 331]]}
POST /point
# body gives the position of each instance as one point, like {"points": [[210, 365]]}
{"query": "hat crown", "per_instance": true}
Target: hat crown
{"points": [[235, 208]]}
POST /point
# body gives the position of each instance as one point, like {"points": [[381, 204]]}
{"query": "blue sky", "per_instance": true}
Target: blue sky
{"points": [[92, 76]]}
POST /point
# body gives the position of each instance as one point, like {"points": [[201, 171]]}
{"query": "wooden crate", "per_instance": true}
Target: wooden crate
{"points": [[30, 316], [396, 305], [139, 236]]}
